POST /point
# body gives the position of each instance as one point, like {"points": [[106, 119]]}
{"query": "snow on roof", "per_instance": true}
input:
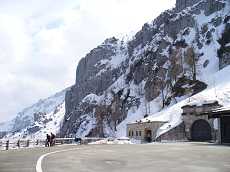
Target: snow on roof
{"points": [[225, 108], [200, 103], [158, 117]]}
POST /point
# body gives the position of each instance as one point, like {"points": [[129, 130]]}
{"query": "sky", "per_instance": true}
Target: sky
{"points": [[42, 41]]}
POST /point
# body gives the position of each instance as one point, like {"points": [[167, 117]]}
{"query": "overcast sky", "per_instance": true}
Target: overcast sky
{"points": [[41, 42]]}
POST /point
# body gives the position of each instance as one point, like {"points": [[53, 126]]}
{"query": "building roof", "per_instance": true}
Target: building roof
{"points": [[204, 103], [219, 112], [151, 119]]}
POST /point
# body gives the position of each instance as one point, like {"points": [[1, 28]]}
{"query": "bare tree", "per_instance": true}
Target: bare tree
{"points": [[190, 59], [176, 65], [165, 90]]}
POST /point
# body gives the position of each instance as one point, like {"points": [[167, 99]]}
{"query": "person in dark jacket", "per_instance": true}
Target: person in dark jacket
{"points": [[78, 140], [52, 139], [48, 139]]}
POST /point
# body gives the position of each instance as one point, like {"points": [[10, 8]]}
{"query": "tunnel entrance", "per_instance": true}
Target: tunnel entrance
{"points": [[201, 131]]}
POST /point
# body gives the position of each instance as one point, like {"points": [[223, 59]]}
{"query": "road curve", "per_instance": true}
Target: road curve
{"points": [[25, 160], [39, 162]]}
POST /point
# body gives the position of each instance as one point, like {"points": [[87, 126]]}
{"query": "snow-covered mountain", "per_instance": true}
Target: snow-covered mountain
{"points": [[167, 61], [43, 117], [181, 57], [6, 126]]}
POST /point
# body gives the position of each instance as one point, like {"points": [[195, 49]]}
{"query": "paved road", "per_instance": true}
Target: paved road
{"points": [[179, 157], [24, 160]]}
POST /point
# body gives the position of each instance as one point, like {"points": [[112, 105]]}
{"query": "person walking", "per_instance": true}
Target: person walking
{"points": [[48, 140], [52, 139]]}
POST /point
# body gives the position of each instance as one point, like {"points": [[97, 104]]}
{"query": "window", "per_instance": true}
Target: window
{"points": [[136, 133], [132, 133], [129, 133], [139, 133]]}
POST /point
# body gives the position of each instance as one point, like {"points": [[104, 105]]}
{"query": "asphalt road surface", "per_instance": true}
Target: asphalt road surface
{"points": [[171, 157]]}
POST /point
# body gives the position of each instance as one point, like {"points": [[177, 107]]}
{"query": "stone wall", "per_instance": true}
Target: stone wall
{"points": [[189, 120], [175, 134], [193, 113], [193, 109]]}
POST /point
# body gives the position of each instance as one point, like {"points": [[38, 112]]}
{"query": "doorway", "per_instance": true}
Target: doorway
{"points": [[148, 135], [225, 129], [201, 131]]}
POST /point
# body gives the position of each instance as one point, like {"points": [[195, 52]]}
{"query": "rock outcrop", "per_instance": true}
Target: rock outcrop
{"points": [[182, 4]]}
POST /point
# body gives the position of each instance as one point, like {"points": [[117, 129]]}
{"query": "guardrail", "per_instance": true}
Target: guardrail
{"points": [[12, 144], [25, 143]]}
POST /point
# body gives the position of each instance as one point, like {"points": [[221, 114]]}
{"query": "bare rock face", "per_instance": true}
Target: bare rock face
{"points": [[224, 51], [21, 122], [86, 79], [142, 37], [182, 4], [161, 62], [184, 86], [209, 6], [33, 129]]}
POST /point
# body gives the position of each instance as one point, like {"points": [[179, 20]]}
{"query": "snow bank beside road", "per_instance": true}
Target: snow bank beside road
{"points": [[113, 141]]}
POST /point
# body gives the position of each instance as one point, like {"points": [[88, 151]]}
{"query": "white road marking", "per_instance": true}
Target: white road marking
{"points": [[39, 162]]}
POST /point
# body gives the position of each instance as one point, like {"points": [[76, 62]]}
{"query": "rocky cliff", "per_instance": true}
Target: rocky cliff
{"points": [[167, 61]]}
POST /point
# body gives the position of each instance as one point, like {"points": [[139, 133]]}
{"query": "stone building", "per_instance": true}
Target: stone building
{"points": [[143, 131], [223, 117], [198, 125], [205, 122]]}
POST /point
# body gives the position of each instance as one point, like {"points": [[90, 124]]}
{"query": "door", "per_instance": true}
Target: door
{"points": [[201, 131], [225, 129], [148, 135]]}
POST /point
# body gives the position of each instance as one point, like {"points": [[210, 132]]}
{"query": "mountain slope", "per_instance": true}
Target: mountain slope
{"points": [[43, 117], [167, 61], [6, 126]]}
